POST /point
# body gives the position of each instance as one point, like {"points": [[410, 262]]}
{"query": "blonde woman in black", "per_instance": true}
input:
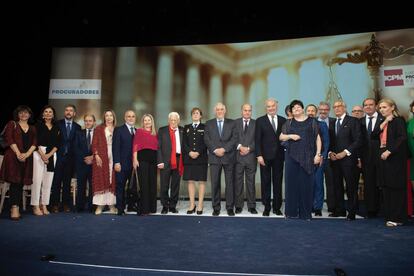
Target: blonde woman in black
{"points": [[393, 163]]}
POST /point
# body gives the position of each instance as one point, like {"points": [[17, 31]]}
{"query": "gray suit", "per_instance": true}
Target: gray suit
{"points": [[227, 141], [245, 165]]}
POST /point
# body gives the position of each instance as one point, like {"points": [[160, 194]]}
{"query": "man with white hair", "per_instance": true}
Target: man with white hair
{"points": [[170, 162], [270, 155], [221, 139]]}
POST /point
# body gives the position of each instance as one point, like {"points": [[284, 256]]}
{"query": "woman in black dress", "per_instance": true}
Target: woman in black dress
{"points": [[303, 154], [195, 160]]}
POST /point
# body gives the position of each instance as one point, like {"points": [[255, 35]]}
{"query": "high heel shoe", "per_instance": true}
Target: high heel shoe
{"points": [[14, 213], [200, 212], [37, 211], [189, 212], [45, 210]]}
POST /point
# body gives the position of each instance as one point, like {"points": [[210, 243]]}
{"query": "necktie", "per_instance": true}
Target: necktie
{"points": [[338, 125], [273, 123], [370, 125], [88, 138], [132, 131], [220, 127], [68, 129], [195, 126], [245, 125]]}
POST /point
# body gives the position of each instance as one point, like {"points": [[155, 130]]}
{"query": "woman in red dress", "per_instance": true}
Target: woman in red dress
{"points": [[17, 166], [103, 176]]}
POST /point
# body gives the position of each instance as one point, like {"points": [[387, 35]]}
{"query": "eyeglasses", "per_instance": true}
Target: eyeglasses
{"points": [[354, 111]]}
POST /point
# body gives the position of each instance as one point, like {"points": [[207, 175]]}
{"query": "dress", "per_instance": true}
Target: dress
{"points": [[12, 170], [299, 167], [103, 178], [193, 140]]}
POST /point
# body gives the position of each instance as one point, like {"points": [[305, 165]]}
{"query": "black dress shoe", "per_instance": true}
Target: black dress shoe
{"points": [[164, 210], [120, 213], [230, 212], [239, 210], [173, 210], [278, 212], [318, 213], [199, 212], [189, 212], [350, 217], [252, 211], [216, 213], [266, 213]]}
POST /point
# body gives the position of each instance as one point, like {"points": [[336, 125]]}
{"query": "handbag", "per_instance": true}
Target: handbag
{"points": [[134, 192]]}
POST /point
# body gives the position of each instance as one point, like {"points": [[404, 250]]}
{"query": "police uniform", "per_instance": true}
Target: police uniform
{"points": [[193, 140]]}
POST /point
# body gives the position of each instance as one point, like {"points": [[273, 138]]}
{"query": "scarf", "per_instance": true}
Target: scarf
{"points": [[173, 158]]}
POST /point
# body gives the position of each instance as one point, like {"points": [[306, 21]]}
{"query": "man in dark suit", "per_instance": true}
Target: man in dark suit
{"points": [[84, 159], [246, 163], [370, 128], [169, 161], [343, 154], [318, 189], [122, 154], [324, 110], [65, 162], [270, 155], [221, 139]]}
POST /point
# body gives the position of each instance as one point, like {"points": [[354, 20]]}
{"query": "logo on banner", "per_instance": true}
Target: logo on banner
{"points": [[393, 77], [75, 89]]}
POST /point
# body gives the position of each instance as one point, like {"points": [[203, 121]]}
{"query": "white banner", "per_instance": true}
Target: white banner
{"points": [[75, 89], [397, 76]]}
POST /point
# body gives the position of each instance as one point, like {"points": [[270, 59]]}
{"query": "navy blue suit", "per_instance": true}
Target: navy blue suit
{"points": [[122, 154], [83, 171], [64, 169], [318, 190], [348, 137]]}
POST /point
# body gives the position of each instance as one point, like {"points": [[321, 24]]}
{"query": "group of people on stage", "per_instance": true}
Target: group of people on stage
{"points": [[309, 146]]}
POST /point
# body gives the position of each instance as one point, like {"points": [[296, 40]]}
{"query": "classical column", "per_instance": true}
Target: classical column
{"points": [[193, 88], [124, 81], [258, 93], [93, 69], [293, 80], [216, 92], [164, 85], [234, 97]]}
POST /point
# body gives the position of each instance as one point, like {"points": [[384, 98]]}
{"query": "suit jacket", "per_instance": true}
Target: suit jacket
{"points": [[67, 142], [193, 140], [122, 147], [246, 139], [81, 149], [324, 134], [165, 146], [370, 144], [227, 141], [348, 137], [267, 141]]}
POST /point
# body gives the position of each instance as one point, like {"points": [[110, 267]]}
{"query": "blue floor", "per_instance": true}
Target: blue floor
{"points": [[209, 244]]}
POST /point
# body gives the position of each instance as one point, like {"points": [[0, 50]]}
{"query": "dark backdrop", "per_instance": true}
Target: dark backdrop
{"points": [[32, 31]]}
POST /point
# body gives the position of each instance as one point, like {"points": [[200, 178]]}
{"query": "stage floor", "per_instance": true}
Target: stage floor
{"points": [[86, 244]]}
